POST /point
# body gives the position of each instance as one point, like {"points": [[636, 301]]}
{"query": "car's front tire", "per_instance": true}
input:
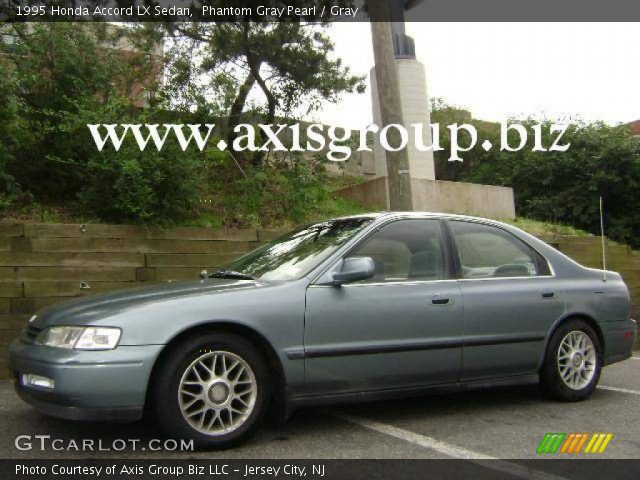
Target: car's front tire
{"points": [[572, 363], [213, 389]]}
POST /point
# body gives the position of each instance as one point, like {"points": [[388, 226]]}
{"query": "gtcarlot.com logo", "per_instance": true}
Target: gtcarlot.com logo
{"points": [[46, 442], [574, 442]]}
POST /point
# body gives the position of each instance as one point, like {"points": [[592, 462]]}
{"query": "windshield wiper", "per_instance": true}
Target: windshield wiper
{"points": [[224, 273]]}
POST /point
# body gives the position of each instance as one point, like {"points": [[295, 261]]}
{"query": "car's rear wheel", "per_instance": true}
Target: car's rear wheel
{"points": [[573, 362], [213, 389]]}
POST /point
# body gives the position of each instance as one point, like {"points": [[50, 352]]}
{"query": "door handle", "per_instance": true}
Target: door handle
{"points": [[440, 301], [547, 294]]}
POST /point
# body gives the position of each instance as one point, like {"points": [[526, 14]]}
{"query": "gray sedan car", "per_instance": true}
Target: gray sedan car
{"points": [[364, 307]]}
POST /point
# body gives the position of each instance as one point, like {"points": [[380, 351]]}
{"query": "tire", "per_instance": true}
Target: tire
{"points": [[185, 385], [572, 362]]}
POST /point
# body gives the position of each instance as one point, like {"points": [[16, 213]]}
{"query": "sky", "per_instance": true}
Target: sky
{"points": [[498, 70]]}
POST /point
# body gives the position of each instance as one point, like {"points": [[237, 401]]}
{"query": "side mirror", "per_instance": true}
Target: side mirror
{"points": [[354, 269]]}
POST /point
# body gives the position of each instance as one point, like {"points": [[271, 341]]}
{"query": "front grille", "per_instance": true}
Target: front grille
{"points": [[30, 333]]}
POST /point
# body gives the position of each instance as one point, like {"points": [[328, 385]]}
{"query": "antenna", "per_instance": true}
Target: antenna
{"points": [[604, 255]]}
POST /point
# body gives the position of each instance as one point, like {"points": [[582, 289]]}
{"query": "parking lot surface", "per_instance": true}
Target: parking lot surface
{"points": [[506, 423]]}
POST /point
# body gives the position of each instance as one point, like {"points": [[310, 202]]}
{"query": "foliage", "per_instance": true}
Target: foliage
{"points": [[148, 187], [561, 187], [55, 89], [277, 193], [52, 89], [11, 137], [537, 227], [54, 80], [216, 66]]}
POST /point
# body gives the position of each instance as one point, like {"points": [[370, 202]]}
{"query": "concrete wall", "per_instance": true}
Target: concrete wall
{"points": [[42, 264], [372, 193], [440, 196], [463, 198], [415, 109], [360, 164]]}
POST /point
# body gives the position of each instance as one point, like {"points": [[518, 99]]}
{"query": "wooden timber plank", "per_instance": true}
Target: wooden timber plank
{"points": [[71, 289], [71, 259], [132, 231]]}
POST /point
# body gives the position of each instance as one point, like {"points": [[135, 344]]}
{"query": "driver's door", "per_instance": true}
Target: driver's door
{"points": [[400, 328]]}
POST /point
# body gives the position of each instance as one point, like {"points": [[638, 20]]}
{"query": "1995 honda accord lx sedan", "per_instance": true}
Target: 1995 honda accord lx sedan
{"points": [[363, 307]]}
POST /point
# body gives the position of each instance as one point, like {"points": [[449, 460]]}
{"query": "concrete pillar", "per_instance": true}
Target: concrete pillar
{"points": [[415, 109]]}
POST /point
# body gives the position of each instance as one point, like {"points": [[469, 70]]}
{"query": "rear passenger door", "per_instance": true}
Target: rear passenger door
{"points": [[510, 301]]}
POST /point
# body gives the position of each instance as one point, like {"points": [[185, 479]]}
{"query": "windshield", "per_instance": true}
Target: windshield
{"points": [[294, 255]]}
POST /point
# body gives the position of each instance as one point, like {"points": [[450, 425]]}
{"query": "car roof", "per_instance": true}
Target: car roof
{"points": [[377, 215]]}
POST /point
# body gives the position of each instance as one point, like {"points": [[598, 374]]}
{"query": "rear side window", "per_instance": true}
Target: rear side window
{"points": [[486, 251]]}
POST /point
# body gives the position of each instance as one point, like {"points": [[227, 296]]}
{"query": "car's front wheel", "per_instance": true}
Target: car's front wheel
{"points": [[213, 389], [573, 362]]}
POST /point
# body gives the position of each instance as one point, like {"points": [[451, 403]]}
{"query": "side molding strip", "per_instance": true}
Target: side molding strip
{"points": [[348, 350]]}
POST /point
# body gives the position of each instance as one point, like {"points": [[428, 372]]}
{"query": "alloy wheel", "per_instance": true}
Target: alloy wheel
{"points": [[576, 360], [217, 393]]}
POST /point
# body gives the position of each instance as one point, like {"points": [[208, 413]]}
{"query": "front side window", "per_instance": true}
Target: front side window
{"points": [[486, 251], [405, 250], [294, 255]]}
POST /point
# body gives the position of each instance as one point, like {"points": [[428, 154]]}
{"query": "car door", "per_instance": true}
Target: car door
{"points": [[511, 300], [400, 328]]}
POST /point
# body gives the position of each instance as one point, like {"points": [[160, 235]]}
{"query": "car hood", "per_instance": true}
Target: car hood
{"points": [[86, 309]]}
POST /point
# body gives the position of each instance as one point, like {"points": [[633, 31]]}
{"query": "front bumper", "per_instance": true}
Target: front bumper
{"points": [[88, 385]]}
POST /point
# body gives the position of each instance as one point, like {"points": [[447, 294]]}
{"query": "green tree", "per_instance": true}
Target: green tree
{"points": [[63, 76], [289, 63], [54, 79], [556, 186], [13, 137]]}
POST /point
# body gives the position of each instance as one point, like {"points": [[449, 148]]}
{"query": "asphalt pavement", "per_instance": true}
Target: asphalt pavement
{"points": [[504, 423]]}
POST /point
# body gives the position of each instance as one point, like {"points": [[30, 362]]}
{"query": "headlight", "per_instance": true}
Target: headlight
{"points": [[80, 338]]}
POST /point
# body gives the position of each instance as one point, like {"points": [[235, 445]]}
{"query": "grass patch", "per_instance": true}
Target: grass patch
{"points": [[25, 209], [205, 220], [336, 182], [328, 206], [537, 227]]}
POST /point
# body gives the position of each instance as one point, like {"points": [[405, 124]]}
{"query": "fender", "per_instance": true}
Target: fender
{"points": [[567, 316]]}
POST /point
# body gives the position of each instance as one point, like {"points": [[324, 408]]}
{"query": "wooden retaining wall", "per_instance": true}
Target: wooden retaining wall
{"points": [[588, 252], [41, 264]]}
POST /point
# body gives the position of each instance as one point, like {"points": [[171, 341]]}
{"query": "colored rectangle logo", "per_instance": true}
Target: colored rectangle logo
{"points": [[574, 443]]}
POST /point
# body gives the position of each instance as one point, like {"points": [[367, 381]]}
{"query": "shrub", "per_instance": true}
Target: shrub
{"points": [[558, 187], [142, 187], [276, 193]]}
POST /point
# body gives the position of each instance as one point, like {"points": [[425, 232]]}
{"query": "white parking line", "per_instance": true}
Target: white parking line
{"points": [[415, 438], [449, 450], [621, 390], [636, 358]]}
